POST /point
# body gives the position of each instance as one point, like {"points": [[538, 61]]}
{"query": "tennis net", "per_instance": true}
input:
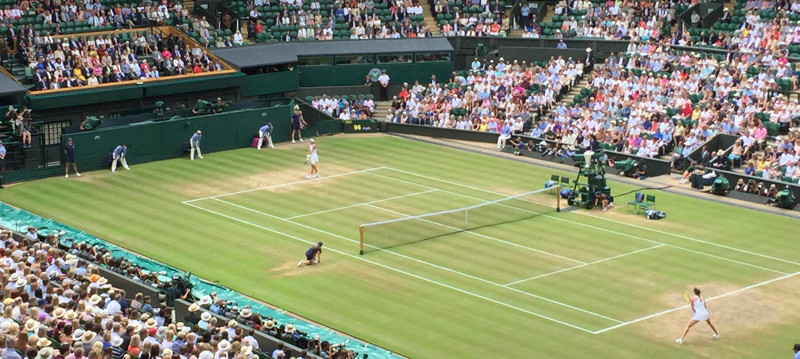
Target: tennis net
{"points": [[417, 228]]}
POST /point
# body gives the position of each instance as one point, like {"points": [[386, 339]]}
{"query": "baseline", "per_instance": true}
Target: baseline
{"points": [[366, 170]]}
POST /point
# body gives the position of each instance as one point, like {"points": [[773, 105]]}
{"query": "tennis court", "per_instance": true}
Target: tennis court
{"points": [[573, 269], [539, 283]]}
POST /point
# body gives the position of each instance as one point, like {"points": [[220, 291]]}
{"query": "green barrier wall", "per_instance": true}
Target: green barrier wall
{"points": [[130, 92], [275, 82], [152, 141], [346, 75]]}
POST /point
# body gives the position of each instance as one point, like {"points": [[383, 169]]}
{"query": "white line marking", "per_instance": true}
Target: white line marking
{"points": [[424, 262], [584, 265], [574, 222], [605, 219], [488, 281], [707, 299], [696, 240], [281, 185], [361, 204], [475, 233], [399, 271]]}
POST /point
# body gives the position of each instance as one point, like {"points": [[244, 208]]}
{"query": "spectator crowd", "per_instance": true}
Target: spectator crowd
{"points": [[57, 304], [87, 61]]}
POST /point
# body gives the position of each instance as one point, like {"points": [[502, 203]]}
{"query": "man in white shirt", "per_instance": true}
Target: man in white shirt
{"points": [[383, 80]]}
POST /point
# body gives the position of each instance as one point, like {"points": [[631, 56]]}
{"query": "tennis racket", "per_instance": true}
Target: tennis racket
{"points": [[686, 297]]}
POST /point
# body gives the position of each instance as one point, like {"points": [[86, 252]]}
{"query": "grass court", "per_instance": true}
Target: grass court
{"points": [[552, 284]]}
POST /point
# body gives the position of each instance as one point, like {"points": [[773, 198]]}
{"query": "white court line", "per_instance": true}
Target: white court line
{"points": [[488, 281], [424, 262], [361, 258], [361, 204], [281, 185], [598, 228], [584, 265], [708, 299], [573, 222], [694, 239], [475, 233], [605, 219]]}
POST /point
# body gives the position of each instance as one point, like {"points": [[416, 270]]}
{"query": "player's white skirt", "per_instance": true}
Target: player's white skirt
{"points": [[700, 315], [314, 159]]}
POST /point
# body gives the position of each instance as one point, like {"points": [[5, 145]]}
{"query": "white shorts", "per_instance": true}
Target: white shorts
{"points": [[701, 315], [314, 159]]}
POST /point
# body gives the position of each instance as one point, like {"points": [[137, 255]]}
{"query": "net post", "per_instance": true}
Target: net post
{"points": [[361, 239], [558, 198]]}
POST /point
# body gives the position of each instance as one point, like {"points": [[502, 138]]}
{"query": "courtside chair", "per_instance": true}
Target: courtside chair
{"points": [[638, 199], [649, 202]]}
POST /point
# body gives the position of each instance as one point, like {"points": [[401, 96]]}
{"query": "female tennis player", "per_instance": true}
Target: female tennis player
{"points": [[698, 305], [313, 158]]}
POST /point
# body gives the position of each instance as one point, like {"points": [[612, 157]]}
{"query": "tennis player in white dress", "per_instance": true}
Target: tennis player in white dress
{"points": [[313, 158], [698, 305]]}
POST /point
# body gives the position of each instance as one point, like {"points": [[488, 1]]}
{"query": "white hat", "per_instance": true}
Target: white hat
{"points": [[43, 342], [31, 325], [94, 299], [206, 316], [246, 313], [312, 140], [117, 341], [45, 353], [588, 49], [205, 300], [224, 345], [77, 334], [290, 328], [194, 307]]}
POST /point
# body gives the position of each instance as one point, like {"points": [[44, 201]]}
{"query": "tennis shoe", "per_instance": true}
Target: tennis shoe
{"points": [[300, 263], [67, 176], [679, 341], [301, 140], [716, 336], [293, 141], [77, 174], [683, 180]]}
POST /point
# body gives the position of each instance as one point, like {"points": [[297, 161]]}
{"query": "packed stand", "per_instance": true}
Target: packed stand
{"points": [[110, 58], [332, 20], [488, 96], [353, 107], [471, 18], [26, 19], [56, 304], [640, 20]]}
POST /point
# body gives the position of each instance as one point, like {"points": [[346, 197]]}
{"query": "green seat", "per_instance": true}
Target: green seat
{"points": [[636, 202], [649, 201]]}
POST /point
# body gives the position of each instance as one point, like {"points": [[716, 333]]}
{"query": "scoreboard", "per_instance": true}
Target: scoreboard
{"points": [[360, 126]]}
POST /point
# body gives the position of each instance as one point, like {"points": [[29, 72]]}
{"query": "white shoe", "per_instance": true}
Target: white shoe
{"points": [[683, 180], [67, 176], [301, 140], [259, 148], [114, 170], [716, 336], [192, 158], [300, 263], [77, 174], [679, 341], [309, 177], [317, 175], [201, 157], [271, 146], [128, 168], [293, 141]]}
